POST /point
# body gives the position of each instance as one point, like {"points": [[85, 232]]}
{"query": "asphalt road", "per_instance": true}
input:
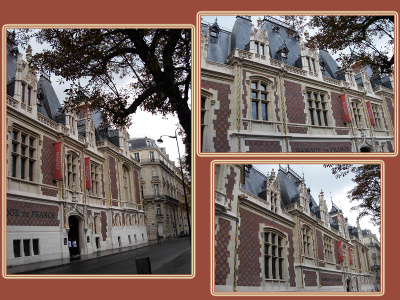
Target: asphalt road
{"points": [[167, 257]]}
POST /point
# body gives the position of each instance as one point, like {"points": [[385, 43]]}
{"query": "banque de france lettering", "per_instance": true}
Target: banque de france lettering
{"points": [[12, 212], [317, 149]]}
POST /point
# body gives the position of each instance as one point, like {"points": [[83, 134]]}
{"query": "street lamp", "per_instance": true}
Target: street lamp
{"points": [[183, 178]]}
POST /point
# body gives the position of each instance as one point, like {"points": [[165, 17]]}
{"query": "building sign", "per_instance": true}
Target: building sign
{"points": [[350, 258], [370, 114], [345, 108], [57, 161], [340, 250], [87, 173], [22, 213]]}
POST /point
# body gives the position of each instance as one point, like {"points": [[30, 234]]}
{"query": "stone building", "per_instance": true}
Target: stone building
{"points": [[162, 189], [374, 254], [263, 90], [67, 178], [271, 235]]}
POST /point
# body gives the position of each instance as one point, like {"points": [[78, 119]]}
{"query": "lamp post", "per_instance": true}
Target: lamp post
{"points": [[183, 178]]}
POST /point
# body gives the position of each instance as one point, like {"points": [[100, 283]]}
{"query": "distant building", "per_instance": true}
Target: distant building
{"points": [[162, 189], [374, 254], [263, 90], [271, 235], [67, 178]]}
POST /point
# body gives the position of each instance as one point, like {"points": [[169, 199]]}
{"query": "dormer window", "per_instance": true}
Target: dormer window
{"points": [[214, 34], [276, 29]]}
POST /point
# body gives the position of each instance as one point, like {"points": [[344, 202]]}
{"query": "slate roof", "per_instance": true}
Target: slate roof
{"points": [[50, 105]]}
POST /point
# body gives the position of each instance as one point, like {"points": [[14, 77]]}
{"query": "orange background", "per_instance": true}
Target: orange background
{"points": [[168, 12]]}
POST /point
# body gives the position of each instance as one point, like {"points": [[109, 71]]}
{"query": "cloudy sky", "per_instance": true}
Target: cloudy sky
{"points": [[316, 178], [144, 124]]}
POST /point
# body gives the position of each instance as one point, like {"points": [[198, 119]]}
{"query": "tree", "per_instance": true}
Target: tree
{"points": [[367, 191], [123, 68], [359, 34]]}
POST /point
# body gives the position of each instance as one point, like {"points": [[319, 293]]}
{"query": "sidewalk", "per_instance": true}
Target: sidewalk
{"points": [[65, 261]]}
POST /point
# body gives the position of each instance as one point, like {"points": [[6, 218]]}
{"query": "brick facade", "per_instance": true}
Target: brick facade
{"points": [[320, 248], [249, 249], [104, 225], [20, 213], [328, 279], [113, 177], [310, 278], [48, 166], [137, 186], [222, 240], [221, 124], [229, 187], [263, 146], [295, 104]]}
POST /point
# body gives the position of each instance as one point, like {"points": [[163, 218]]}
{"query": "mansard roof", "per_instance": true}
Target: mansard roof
{"points": [[50, 105]]}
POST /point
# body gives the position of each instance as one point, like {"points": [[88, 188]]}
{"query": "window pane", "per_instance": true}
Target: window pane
{"points": [[203, 102], [280, 268], [27, 251], [308, 95], [263, 96], [254, 95], [35, 246], [311, 117], [254, 109], [266, 267], [266, 237], [15, 135], [274, 268], [319, 117], [14, 166], [23, 138], [263, 87], [23, 168], [254, 85], [31, 170], [264, 111], [17, 248], [256, 47], [325, 119]]}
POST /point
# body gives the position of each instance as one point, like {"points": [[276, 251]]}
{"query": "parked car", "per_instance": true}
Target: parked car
{"points": [[184, 233]]}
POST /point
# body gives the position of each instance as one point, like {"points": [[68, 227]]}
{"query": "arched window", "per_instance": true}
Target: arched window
{"points": [[261, 105], [275, 258], [307, 242], [72, 171], [126, 183]]}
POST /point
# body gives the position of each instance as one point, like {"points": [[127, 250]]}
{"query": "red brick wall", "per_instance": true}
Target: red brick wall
{"points": [[328, 279], [320, 146], [222, 254], [104, 225], [338, 115], [320, 247], [22, 213], [221, 124], [113, 177], [263, 146], [390, 108], [249, 250], [310, 278], [47, 168], [295, 104], [229, 186], [137, 186], [390, 146]]}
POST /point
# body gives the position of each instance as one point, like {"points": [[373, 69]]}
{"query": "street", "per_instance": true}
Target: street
{"points": [[168, 257]]}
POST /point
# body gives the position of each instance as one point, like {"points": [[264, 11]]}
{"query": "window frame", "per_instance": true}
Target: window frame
{"points": [[358, 113], [318, 112], [307, 242], [72, 173], [260, 105], [269, 268], [328, 249], [23, 154], [377, 113]]}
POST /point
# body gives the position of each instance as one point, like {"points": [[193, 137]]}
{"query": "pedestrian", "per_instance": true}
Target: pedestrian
{"points": [[75, 248], [70, 247]]}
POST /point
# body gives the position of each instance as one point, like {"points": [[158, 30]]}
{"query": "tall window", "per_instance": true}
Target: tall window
{"points": [[156, 190], [29, 95], [307, 242], [317, 108], [376, 111], [23, 87], [125, 182], [136, 155], [358, 113], [72, 169], [158, 209], [23, 155], [151, 156], [328, 249], [274, 255], [154, 172], [95, 174], [203, 117], [259, 100]]}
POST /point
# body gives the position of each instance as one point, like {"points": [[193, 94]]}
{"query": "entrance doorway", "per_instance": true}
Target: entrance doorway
{"points": [[365, 149], [73, 236]]}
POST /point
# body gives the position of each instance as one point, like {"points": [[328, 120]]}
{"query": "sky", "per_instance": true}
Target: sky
{"points": [[227, 22], [316, 178], [144, 124]]}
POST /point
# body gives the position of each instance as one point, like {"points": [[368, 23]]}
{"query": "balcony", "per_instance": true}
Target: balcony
{"points": [[161, 197]]}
